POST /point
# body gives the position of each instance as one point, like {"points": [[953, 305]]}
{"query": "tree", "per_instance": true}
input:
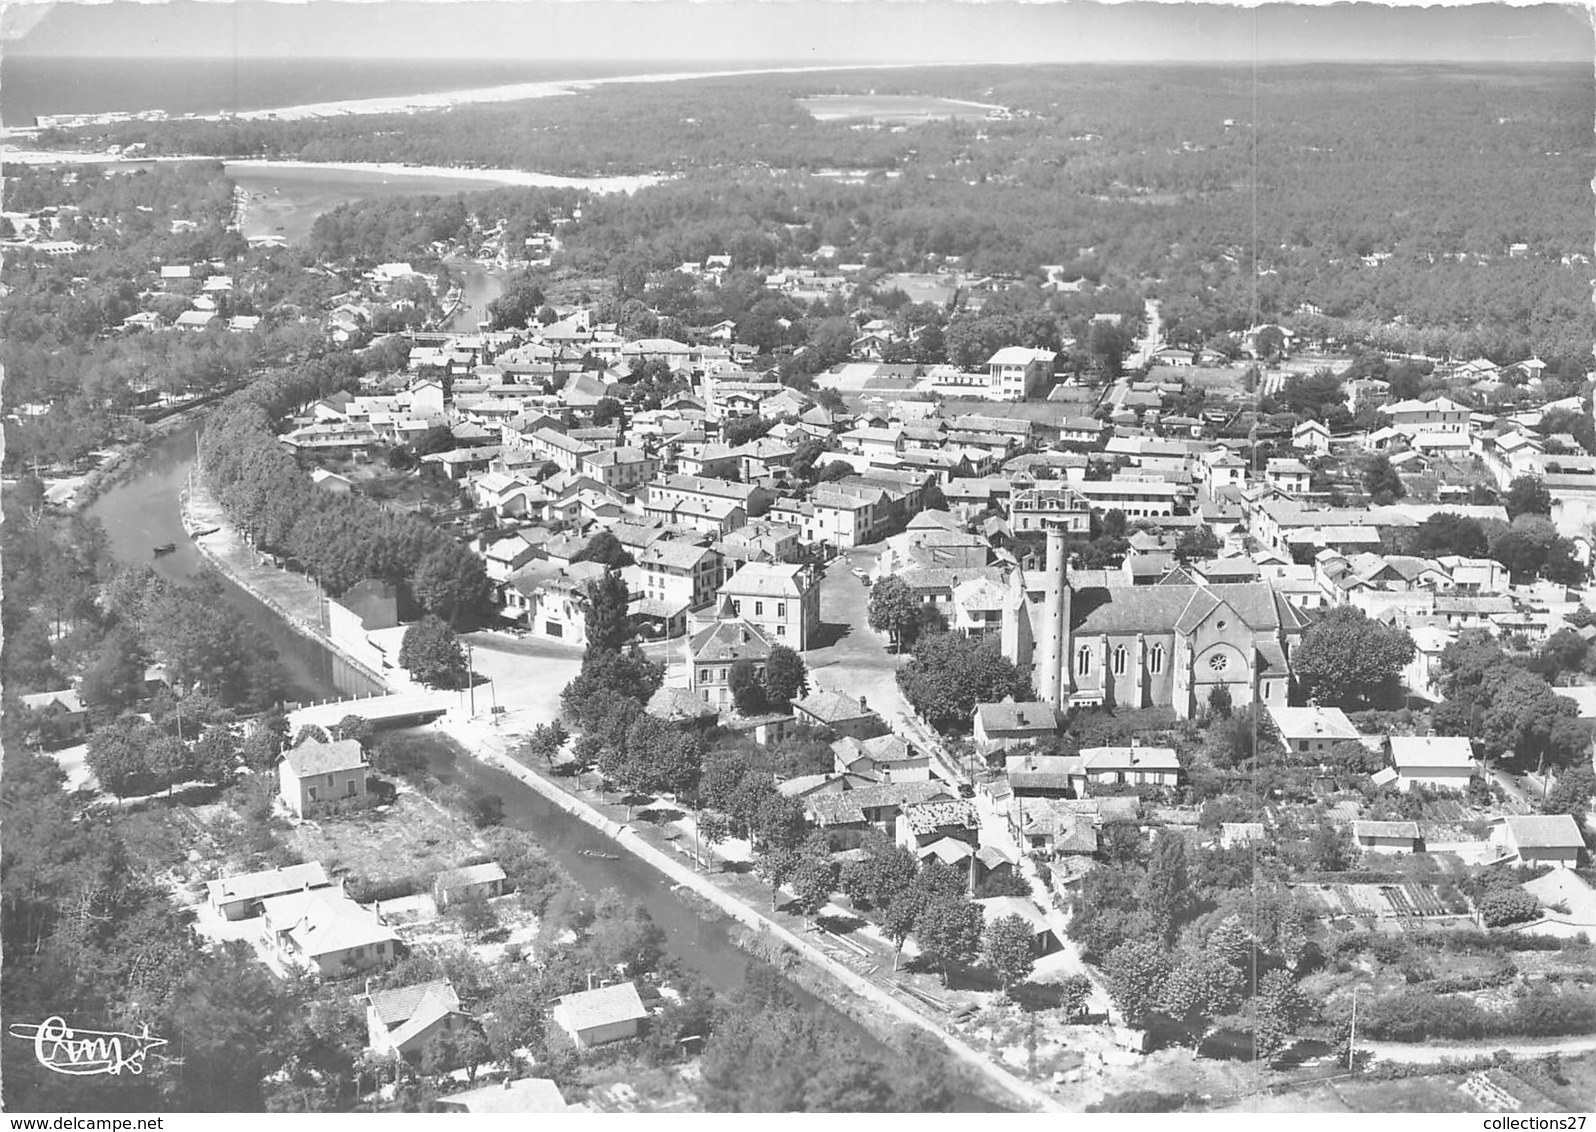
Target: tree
{"points": [[1521, 715], [775, 867], [432, 655], [747, 689], [1332, 848], [1164, 891], [1531, 547], [355, 727], [1009, 949], [950, 673], [886, 872], [894, 610], [948, 930], [1381, 481], [516, 304], [779, 821], [115, 677], [1527, 495], [452, 582], [813, 881], [1201, 988], [786, 676], [605, 602], [546, 741], [1571, 792], [714, 827], [1347, 660], [1447, 533], [1137, 971], [898, 920], [311, 732], [1564, 651], [118, 756], [1279, 1009], [605, 549], [1231, 941]]}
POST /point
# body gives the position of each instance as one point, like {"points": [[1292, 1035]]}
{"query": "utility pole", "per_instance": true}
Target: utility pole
{"points": [[1352, 1034], [471, 680]]}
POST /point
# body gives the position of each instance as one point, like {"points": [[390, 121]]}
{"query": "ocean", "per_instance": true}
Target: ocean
{"points": [[33, 86]]}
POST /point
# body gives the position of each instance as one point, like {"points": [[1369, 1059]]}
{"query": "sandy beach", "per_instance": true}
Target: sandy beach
{"points": [[514, 92], [512, 177], [516, 178], [520, 92]]}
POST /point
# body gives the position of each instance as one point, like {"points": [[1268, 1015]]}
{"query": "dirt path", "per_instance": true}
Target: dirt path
{"points": [[1431, 1054]]}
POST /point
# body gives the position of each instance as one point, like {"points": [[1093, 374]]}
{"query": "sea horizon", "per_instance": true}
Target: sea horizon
{"points": [[207, 86], [52, 85]]}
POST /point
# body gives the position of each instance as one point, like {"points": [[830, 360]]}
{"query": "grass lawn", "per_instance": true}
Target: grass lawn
{"points": [[413, 838], [1417, 1094]]}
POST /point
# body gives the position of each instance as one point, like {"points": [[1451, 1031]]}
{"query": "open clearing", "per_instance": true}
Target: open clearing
{"points": [[903, 108], [411, 837]]}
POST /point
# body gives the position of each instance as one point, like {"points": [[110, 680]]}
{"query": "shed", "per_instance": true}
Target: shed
{"points": [[485, 880], [1387, 836], [239, 897], [1541, 839], [606, 1014]]}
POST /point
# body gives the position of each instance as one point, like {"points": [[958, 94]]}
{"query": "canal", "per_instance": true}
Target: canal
{"points": [[141, 512]]}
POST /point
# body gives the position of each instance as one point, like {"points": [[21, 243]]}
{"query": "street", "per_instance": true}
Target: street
{"points": [[855, 658]]}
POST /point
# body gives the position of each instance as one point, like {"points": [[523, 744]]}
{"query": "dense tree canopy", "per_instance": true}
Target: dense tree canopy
{"points": [[1345, 659]]}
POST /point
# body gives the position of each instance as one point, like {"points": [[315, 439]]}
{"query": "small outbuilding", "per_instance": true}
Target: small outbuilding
{"points": [[596, 1017], [1541, 839], [1387, 836], [485, 881]]}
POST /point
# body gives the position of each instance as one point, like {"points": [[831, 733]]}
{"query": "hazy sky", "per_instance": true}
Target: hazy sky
{"points": [[798, 30]]}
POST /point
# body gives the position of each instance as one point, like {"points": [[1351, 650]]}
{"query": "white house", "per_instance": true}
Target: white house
{"points": [[595, 1017], [1313, 730], [400, 1022], [239, 897], [1540, 839], [314, 775], [1432, 760]]}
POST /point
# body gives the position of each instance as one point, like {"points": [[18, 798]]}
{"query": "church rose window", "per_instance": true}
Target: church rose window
{"points": [[1218, 662]]}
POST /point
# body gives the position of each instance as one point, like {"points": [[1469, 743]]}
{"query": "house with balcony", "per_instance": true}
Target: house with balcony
{"points": [[1017, 373]]}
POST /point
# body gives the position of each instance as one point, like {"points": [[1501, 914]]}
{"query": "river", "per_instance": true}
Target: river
{"points": [[480, 285], [142, 512]]}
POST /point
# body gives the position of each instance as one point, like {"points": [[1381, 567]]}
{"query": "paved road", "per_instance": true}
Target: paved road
{"points": [[1153, 340]]}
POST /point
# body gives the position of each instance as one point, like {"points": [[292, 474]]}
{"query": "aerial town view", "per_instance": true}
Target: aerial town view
{"points": [[752, 557]]}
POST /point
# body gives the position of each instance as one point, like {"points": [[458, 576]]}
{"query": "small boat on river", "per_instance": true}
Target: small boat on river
{"points": [[165, 548], [600, 855]]}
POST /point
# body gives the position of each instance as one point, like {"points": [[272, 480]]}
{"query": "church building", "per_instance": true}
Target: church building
{"points": [[1090, 639]]}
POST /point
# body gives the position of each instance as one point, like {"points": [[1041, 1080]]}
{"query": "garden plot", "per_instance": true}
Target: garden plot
{"points": [[1389, 901]]}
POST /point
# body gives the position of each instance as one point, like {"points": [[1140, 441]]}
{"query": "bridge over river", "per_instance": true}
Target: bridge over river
{"points": [[400, 709]]}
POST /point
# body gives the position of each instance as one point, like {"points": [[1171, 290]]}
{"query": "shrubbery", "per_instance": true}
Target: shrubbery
{"points": [[1508, 906], [1413, 1016]]}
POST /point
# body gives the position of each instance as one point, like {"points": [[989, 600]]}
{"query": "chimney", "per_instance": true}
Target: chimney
{"points": [[862, 705]]}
